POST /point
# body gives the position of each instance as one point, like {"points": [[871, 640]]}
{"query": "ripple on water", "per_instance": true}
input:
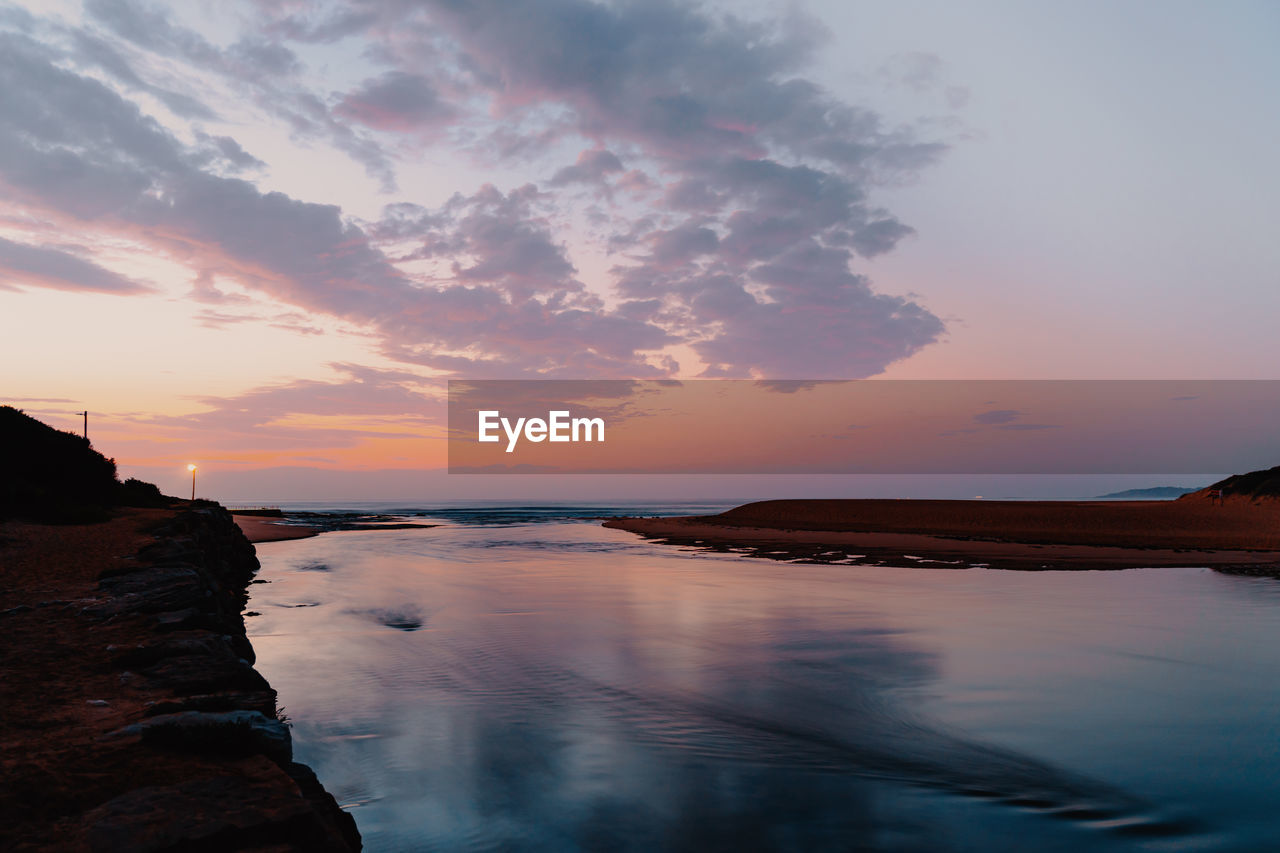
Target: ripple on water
{"points": [[405, 617]]}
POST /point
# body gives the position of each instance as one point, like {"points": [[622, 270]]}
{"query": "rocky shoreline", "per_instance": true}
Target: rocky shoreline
{"points": [[179, 743]]}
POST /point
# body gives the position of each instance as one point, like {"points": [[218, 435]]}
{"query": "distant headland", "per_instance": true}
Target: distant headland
{"points": [[1232, 525]]}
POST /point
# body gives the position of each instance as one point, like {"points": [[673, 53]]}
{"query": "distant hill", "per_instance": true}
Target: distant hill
{"points": [[47, 474], [1153, 493], [1254, 486]]}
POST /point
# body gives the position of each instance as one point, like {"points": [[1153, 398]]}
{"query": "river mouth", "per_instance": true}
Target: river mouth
{"points": [[547, 684]]}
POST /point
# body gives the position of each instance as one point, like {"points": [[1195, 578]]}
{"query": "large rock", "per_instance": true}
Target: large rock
{"points": [[216, 732], [262, 806]]}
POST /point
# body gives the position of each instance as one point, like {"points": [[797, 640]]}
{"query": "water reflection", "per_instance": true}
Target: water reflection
{"points": [[563, 687]]}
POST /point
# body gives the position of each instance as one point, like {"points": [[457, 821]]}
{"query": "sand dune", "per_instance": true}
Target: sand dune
{"points": [[1004, 534]]}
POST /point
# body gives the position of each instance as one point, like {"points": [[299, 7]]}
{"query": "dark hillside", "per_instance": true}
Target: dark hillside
{"points": [[1254, 486]]}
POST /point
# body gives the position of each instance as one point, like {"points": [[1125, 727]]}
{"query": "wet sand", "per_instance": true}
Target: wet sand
{"points": [[258, 529], [1236, 535]]}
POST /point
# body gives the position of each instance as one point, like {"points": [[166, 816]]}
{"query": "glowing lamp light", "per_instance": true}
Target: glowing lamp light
{"points": [[192, 469]]}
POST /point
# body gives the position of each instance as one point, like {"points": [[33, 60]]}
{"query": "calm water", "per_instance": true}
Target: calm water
{"points": [[518, 680]]}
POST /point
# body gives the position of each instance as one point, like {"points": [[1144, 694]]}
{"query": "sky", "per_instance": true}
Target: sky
{"points": [[830, 427], [262, 236]]}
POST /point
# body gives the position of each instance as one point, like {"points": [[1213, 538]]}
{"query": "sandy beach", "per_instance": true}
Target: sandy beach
{"points": [[1238, 534], [258, 529]]}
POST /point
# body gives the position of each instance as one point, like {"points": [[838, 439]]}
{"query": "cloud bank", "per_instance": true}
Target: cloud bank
{"points": [[730, 195]]}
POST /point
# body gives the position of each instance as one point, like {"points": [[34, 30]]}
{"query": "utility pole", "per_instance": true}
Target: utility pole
{"points": [[86, 423]]}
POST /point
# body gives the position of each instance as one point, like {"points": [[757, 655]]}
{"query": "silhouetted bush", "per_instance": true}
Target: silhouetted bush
{"points": [[47, 474], [134, 492]]}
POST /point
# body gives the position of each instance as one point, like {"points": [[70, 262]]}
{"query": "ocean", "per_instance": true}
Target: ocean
{"points": [[520, 678]]}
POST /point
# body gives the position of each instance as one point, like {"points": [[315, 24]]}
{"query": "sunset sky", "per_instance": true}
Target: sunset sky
{"points": [[258, 235]]}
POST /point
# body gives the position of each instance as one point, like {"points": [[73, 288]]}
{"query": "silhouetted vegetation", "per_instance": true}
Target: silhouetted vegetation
{"points": [[47, 474], [134, 492]]}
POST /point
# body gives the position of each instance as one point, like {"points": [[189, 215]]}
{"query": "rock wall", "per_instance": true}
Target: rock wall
{"points": [[204, 703]]}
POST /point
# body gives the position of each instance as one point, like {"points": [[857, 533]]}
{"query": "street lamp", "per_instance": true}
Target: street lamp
{"points": [[192, 469]]}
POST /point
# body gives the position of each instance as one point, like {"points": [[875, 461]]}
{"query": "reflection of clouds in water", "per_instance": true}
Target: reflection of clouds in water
{"points": [[780, 756], [775, 717], [645, 700]]}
